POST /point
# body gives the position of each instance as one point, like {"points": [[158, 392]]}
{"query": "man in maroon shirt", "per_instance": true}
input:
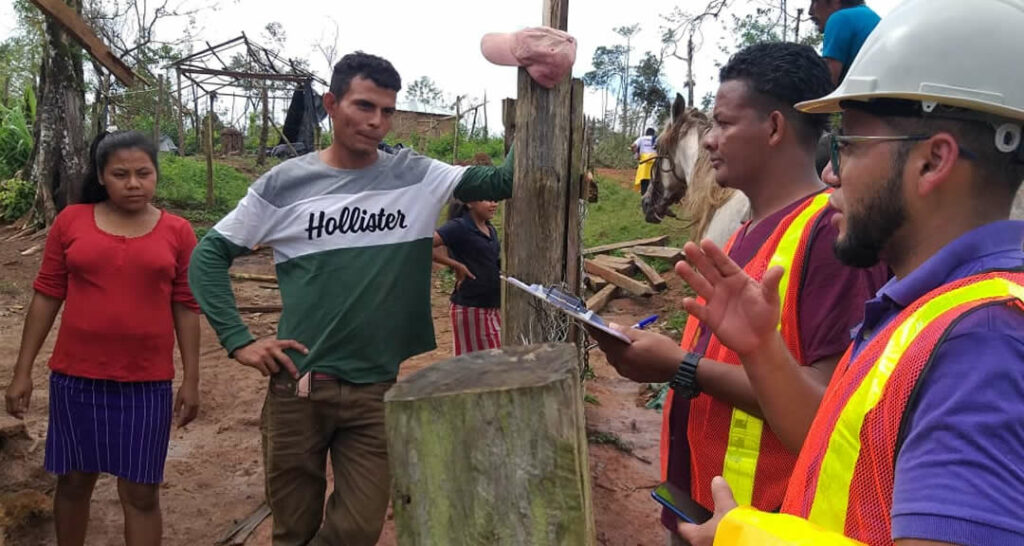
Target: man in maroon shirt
{"points": [[763, 147]]}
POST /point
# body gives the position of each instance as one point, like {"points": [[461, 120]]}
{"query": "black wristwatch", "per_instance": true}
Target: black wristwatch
{"points": [[684, 383]]}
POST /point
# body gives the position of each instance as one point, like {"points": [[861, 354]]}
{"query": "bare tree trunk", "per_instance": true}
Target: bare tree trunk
{"points": [[57, 160], [261, 154]]}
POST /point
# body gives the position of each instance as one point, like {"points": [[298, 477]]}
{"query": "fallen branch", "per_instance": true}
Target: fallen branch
{"points": [[260, 308], [612, 439], [237, 535], [253, 277]]}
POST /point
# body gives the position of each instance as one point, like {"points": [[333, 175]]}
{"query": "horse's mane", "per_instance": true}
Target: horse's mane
{"points": [[703, 195]]}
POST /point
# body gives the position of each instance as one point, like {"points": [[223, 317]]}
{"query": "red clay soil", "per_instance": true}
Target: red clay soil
{"points": [[214, 474]]}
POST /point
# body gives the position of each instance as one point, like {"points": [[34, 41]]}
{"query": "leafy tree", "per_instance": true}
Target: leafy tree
{"points": [[423, 94], [649, 91]]}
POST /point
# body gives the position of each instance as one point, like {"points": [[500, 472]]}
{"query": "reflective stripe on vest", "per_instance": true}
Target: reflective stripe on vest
{"points": [[831, 495], [745, 430]]}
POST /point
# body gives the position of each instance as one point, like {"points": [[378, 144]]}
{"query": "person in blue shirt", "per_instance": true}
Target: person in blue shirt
{"points": [[846, 24]]}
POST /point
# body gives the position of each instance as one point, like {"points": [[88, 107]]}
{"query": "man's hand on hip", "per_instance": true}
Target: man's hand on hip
{"points": [[267, 355]]}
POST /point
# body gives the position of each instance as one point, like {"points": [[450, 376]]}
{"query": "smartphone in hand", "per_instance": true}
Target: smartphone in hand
{"points": [[680, 504]]}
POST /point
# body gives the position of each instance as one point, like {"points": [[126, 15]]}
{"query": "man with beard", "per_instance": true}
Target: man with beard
{"points": [[918, 439], [713, 421]]}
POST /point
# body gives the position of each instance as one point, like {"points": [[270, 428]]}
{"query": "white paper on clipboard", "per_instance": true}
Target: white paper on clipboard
{"points": [[568, 304]]}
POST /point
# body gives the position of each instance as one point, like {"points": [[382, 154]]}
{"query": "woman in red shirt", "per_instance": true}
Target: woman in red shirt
{"points": [[119, 267]]}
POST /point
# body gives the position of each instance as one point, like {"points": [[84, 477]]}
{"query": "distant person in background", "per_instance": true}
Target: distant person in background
{"points": [[845, 24], [644, 152], [468, 243]]}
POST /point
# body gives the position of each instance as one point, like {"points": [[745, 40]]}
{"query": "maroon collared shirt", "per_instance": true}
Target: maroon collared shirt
{"points": [[831, 304]]}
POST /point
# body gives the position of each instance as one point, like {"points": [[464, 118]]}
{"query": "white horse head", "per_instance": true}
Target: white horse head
{"points": [[683, 174]]}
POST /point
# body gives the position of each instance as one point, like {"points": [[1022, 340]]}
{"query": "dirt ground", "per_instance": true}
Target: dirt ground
{"points": [[214, 473]]}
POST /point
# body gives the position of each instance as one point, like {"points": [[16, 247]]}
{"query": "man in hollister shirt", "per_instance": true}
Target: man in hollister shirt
{"points": [[351, 228]]}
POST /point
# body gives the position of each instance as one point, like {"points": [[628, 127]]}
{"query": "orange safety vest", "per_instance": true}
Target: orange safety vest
{"points": [[726, 441], [843, 479]]}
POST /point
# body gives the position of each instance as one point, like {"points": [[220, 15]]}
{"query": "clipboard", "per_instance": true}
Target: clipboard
{"points": [[568, 304]]}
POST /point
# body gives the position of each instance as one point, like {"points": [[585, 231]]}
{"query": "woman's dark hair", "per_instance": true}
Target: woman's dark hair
{"points": [[650, 131], [457, 208], [99, 152]]}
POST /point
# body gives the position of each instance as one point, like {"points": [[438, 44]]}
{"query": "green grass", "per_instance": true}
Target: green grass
{"points": [[182, 186], [617, 217], [676, 322]]}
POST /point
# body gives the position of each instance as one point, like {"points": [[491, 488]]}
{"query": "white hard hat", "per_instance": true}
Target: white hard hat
{"points": [[959, 53]]}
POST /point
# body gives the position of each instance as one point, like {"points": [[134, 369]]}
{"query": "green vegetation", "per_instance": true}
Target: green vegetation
{"points": [[617, 217], [15, 139], [441, 147], [16, 198], [183, 186]]}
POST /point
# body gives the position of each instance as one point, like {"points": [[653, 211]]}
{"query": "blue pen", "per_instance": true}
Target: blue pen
{"points": [[645, 322]]}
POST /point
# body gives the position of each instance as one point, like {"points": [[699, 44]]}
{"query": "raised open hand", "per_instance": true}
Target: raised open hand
{"points": [[742, 312]]}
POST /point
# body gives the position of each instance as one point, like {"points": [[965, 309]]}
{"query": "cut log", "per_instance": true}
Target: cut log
{"points": [[491, 448], [665, 253], [594, 282], [599, 300], [632, 286], [611, 259], [656, 281], [626, 244], [253, 277], [616, 264]]}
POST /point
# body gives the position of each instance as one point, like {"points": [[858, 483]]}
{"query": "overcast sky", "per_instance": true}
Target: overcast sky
{"points": [[440, 38]]}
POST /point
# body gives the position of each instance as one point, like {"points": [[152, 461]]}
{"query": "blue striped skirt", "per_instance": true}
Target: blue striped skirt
{"points": [[107, 426]]}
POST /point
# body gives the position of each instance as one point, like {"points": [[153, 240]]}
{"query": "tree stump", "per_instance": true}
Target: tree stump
{"points": [[491, 448]]}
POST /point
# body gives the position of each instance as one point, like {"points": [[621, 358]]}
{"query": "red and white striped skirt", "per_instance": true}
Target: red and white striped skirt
{"points": [[475, 328]]}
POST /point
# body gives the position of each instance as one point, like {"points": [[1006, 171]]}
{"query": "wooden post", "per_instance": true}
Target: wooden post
{"points": [[181, 119], [491, 448], [508, 118], [156, 110], [487, 133], [209, 154], [537, 221], [261, 155], [458, 119]]}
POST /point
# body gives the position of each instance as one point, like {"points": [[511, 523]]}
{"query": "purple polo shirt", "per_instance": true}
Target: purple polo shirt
{"points": [[960, 472], [831, 303]]}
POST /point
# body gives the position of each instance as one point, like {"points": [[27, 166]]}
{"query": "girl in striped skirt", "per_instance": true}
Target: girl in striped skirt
{"points": [[468, 243], [118, 265]]}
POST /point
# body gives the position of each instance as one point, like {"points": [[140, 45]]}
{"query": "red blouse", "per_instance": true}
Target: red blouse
{"points": [[117, 291]]}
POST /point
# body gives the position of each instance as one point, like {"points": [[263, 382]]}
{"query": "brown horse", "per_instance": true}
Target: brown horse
{"points": [[683, 174]]}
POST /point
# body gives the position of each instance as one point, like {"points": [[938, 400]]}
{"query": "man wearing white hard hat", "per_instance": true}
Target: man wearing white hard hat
{"points": [[919, 438]]}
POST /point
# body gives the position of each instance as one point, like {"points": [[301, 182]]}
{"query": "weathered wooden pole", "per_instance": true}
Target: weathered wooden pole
{"points": [[181, 118], [261, 155], [458, 120], [542, 213], [156, 111], [491, 448], [508, 118], [209, 154]]}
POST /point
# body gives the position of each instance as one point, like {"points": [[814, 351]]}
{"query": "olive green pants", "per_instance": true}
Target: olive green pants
{"points": [[346, 421]]}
